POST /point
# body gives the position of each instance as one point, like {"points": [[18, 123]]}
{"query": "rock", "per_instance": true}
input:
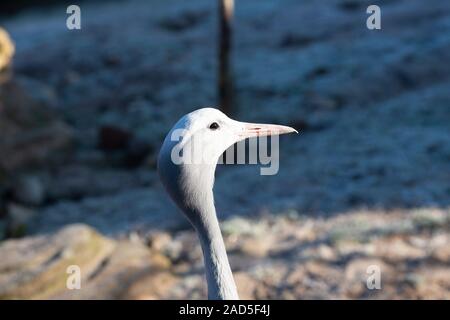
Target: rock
{"points": [[192, 287], [256, 247], [397, 249], [440, 248], [158, 240], [6, 49], [29, 190], [116, 273], [35, 267], [247, 286], [174, 250], [357, 275], [433, 284], [237, 225], [428, 218], [326, 253], [151, 286]]}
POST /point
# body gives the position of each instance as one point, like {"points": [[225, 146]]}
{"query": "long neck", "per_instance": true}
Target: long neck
{"points": [[191, 187], [219, 277]]}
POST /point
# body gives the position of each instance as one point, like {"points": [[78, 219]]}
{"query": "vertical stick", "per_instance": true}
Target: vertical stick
{"points": [[225, 85]]}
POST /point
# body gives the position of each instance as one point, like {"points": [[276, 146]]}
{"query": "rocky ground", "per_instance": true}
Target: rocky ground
{"points": [[83, 113], [283, 257]]}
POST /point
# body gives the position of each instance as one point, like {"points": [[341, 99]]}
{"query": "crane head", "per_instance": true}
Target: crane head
{"points": [[189, 155], [201, 136]]}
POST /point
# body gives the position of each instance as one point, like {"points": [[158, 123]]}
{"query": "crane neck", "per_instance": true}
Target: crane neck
{"points": [[221, 285], [191, 187]]}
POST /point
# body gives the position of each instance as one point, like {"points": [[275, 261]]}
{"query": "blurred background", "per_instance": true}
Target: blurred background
{"points": [[366, 182]]}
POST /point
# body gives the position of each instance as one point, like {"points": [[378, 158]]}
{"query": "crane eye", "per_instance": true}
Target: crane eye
{"points": [[214, 126]]}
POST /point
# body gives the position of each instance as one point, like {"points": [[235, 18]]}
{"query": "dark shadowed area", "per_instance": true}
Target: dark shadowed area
{"points": [[366, 182]]}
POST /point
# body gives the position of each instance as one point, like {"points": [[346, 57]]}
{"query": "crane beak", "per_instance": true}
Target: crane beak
{"points": [[250, 130]]}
